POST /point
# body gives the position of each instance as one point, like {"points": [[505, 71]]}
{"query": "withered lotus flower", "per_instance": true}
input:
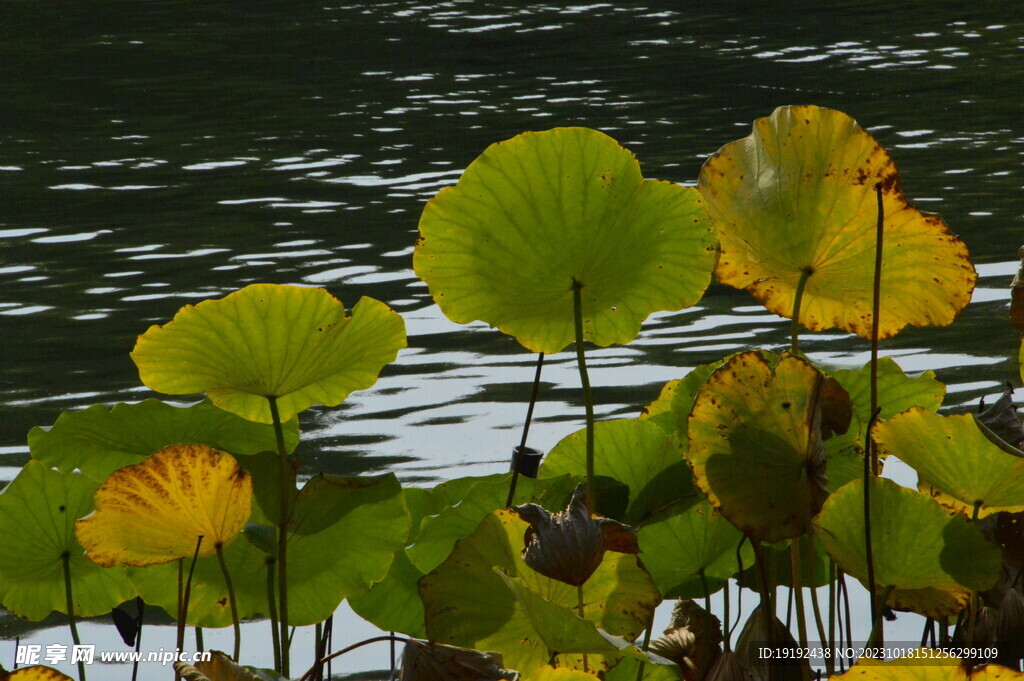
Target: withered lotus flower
{"points": [[569, 545]]}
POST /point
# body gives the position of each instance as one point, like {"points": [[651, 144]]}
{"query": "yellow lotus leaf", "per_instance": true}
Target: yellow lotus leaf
{"points": [[33, 673], [798, 197], [925, 664], [153, 512]]}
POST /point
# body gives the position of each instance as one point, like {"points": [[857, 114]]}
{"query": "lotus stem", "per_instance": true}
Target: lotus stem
{"points": [[282, 531], [644, 647], [183, 599], [391, 675], [877, 634], [140, 604], [820, 624], [308, 676], [846, 607], [200, 646], [706, 643], [796, 570], [767, 605], [794, 327], [579, 609], [66, 559], [869, 472], [972, 614], [526, 429], [231, 597], [876, 311], [588, 398], [725, 617], [833, 607], [275, 635]]}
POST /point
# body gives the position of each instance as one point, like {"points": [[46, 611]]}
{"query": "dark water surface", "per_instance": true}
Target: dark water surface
{"points": [[157, 154]]}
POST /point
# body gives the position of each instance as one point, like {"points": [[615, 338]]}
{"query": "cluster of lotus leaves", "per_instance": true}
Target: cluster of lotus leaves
{"points": [[291, 343], [798, 196], [545, 212]]}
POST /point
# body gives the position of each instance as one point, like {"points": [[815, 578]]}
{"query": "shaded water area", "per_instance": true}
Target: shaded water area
{"points": [[154, 155]]}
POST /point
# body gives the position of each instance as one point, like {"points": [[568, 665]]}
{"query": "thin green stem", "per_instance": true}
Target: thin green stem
{"points": [[588, 398], [579, 609], [796, 574], [70, 601], [706, 643], [876, 638], [869, 473], [275, 634], [526, 430], [646, 645], [820, 624], [767, 605], [200, 646], [141, 605], [972, 615], [833, 607], [231, 596], [185, 591], [287, 485], [725, 616], [794, 327]]}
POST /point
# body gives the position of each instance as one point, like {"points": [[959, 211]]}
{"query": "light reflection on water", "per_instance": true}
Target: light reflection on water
{"points": [[197, 151]]}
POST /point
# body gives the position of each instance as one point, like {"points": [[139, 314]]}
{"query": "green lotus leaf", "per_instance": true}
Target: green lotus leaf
{"points": [[676, 547], [342, 538], [955, 459], [439, 532], [38, 510], [626, 670], [896, 391], [755, 444], [394, 604], [561, 629], [98, 441], [926, 664], [288, 342], [545, 212], [916, 544], [467, 603], [797, 197], [634, 452]]}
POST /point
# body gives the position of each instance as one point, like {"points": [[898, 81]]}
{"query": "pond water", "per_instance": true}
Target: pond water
{"points": [[154, 155]]}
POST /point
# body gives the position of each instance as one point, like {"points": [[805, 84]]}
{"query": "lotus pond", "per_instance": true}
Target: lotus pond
{"points": [[452, 402]]}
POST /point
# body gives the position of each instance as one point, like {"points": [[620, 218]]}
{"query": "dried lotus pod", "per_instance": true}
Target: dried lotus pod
{"points": [[569, 545], [676, 645]]}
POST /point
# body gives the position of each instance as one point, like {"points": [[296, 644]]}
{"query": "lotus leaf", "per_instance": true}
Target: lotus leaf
{"points": [[342, 538], [677, 547], [34, 673], [634, 452], [796, 199], [926, 664], [896, 390], [558, 674], [931, 558], [152, 512], [98, 441], [541, 214], [467, 603], [626, 670], [954, 458], [291, 343], [439, 532], [755, 444], [37, 515]]}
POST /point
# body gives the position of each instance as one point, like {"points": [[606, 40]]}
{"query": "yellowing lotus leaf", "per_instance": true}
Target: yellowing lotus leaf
{"points": [[153, 512], [544, 212], [288, 342], [798, 196], [33, 673], [755, 444], [926, 664], [954, 460]]}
